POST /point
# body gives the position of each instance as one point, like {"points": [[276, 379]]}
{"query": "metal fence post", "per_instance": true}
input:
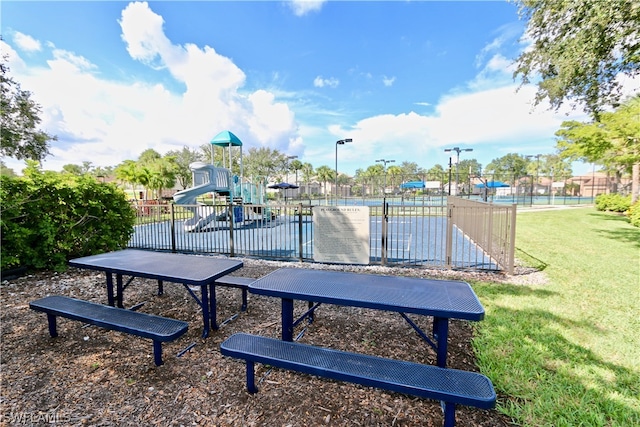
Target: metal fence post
{"points": [[512, 240], [173, 227], [231, 226], [384, 232], [300, 251], [449, 240]]}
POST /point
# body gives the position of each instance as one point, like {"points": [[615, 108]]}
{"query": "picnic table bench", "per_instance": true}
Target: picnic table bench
{"points": [[157, 328], [450, 386], [241, 283]]}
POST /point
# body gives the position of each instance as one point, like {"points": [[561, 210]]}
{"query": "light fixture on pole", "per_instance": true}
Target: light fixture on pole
{"points": [[384, 166], [339, 142], [458, 150]]}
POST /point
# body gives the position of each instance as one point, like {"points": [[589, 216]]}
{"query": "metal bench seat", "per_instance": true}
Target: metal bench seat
{"points": [[236, 282], [450, 386], [157, 328]]}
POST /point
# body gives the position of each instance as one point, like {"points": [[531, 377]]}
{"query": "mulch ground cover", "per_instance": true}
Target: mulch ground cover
{"points": [[89, 376]]}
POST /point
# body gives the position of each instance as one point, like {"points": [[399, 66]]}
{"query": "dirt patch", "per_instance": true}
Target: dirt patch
{"points": [[90, 376]]}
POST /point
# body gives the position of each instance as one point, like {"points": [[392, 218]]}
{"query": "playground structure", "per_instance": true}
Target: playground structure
{"points": [[219, 181]]}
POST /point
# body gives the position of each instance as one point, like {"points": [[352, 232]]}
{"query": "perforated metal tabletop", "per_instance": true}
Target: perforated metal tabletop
{"points": [[184, 269], [442, 299]]}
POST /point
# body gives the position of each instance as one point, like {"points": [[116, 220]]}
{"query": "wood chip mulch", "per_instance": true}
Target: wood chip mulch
{"points": [[92, 377]]}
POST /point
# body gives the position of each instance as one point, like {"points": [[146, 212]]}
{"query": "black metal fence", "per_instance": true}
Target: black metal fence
{"points": [[429, 232], [523, 190]]}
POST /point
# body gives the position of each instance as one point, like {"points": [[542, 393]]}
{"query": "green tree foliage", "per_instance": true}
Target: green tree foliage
{"points": [[49, 217], [394, 175], [308, 172], [296, 166], [325, 174], [152, 171], [183, 158], [265, 163], [20, 117], [579, 47], [613, 141], [4, 170], [552, 166], [411, 171], [72, 169], [127, 173], [507, 168]]}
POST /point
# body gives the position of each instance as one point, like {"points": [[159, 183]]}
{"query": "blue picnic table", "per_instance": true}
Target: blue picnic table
{"points": [[441, 299], [188, 270]]}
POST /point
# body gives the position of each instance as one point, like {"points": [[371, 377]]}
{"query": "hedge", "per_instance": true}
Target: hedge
{"points": [[49, 217]]}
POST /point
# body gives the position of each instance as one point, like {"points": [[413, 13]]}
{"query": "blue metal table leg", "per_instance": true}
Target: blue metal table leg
{"points": [[441, 334], [52, 325], [119, 291], [157, 352], [206, 310], [310, 305], [449, 415], [287, 319], [251, 383], [213, 307], [244, 300], [110, 299], [160, 288]]}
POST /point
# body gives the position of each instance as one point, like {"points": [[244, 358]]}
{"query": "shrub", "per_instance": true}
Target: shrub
{"points": [[613, 202], [48, 218], [634, 214]]}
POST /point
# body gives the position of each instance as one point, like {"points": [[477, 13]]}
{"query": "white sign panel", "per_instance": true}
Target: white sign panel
{"points": [[341, 234]]}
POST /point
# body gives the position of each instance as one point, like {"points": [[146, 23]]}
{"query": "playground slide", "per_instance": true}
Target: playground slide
{"points": [[202, 214]]}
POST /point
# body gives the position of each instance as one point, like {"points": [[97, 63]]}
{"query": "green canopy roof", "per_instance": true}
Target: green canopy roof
{"points": [[226, 138]]}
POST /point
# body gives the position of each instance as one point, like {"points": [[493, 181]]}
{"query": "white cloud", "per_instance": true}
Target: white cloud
{"points": [[322, 82], [493, 121], [106, 122], [303, 7], [388, 81], [26, 43]]}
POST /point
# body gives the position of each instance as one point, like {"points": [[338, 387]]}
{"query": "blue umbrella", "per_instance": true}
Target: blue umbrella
{"points": [[283, 186], [412, 184], [492, 184]]}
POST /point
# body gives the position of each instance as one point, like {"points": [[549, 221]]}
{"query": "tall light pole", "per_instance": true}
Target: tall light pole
{"points": [[339, 142], [385, 214], [289, 158], [384, 163], [537, 157], [457, 150]]}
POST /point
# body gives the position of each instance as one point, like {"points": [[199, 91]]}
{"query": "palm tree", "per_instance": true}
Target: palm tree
{"points": [[127, 173], [325, 174], [394, 174], [296, 166], [307, 175], [162, 174]]}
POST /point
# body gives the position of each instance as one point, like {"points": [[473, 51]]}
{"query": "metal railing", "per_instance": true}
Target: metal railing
{"points": [[491, 227], [459, 234]]}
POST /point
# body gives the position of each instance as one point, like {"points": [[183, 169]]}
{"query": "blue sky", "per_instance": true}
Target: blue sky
{"points": [[404, 80]]}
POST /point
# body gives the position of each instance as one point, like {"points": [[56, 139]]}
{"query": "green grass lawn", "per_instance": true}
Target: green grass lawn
{"points": [[567, 353]]}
